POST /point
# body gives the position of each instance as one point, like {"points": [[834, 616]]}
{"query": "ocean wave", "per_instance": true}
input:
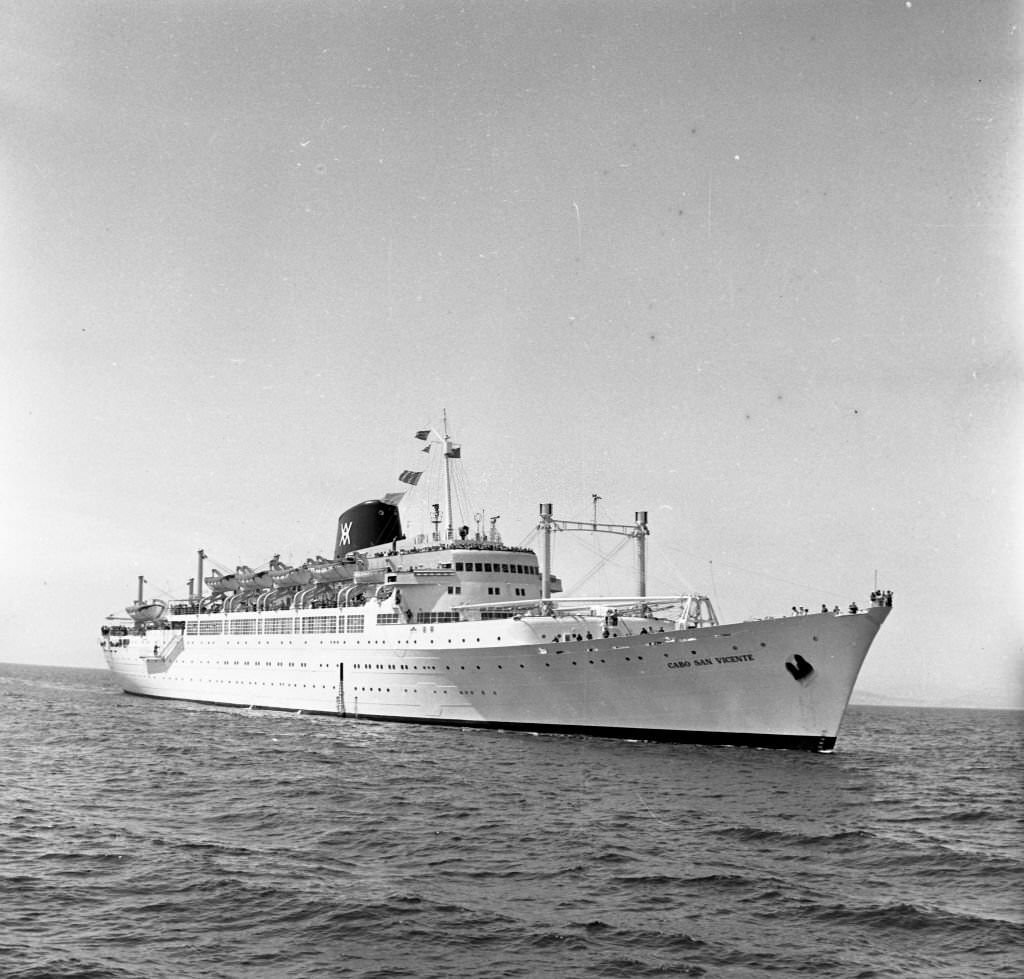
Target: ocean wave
{"points": [[902, 917], [157, 841], [60, 967]]}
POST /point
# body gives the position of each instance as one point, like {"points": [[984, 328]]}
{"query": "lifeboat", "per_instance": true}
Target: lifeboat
{"points": [[219, 583], [291, 577], [329, 572], [266, 579], [246, 578], [146, 611]]}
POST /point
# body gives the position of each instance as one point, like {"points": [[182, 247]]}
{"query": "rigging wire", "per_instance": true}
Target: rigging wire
{"points": [[714, 587], [219, 565], [463, 513], [462, 498], [755, 573], [602, 562]]}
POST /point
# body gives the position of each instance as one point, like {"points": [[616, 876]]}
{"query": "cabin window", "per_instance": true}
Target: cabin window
{"points": [[487, 568], [354, 623], [458, 565], [319, 623], [277, 627], [426, 617], [479, 566]]}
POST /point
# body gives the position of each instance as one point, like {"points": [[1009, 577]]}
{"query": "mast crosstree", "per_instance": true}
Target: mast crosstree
{"points": [[638, 531]]}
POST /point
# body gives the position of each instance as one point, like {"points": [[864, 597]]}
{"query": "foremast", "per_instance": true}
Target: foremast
{"points": [[449, 451]]}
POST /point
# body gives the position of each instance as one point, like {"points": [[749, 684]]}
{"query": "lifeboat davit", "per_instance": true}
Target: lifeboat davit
{"points": [[246, 578]]}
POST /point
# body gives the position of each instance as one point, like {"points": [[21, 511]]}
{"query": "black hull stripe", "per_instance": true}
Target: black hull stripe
{"points": [[748, 739]]}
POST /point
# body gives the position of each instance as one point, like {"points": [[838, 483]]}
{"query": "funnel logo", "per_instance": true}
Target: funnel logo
{"points": [[344, 533]]}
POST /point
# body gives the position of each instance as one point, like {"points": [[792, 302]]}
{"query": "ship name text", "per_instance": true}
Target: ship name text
{"points": [[683, 664]]}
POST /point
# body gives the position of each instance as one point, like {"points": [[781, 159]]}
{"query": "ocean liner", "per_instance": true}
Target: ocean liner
{"points": [[454, 627]]}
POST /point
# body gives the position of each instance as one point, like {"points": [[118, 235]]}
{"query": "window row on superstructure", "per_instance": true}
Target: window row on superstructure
{"points": [[490, 567], [284, 626]]}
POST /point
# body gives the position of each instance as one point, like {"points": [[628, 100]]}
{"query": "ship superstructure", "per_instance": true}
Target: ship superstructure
{"points": [[455, 627]]}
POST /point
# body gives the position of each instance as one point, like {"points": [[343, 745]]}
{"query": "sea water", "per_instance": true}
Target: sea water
{"points": [[145, 838]]}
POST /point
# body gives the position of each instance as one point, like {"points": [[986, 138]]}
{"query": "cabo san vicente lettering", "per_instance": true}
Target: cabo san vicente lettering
{"points": [[684, 664]]}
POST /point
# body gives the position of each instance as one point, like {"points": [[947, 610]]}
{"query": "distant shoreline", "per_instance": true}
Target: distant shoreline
{"points": [[880, 700]]}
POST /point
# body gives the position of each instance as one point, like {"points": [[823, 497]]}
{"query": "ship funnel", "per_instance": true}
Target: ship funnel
{"points": [[368, 524]]}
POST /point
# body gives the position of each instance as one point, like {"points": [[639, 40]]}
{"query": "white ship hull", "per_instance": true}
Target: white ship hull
{"points": [[782, 682], [458, 628]]}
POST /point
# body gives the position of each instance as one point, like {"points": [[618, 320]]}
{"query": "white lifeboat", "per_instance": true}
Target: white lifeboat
{"points": [[330, 572], [148, 610], [291, 577], [219, 583]]}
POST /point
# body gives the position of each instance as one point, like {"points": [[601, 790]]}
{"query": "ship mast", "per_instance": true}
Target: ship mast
{"points": [[449, 451], [447, 444], [638, 531]]}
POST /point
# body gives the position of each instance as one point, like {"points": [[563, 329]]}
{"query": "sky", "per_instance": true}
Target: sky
{"points": [[751, 266]]}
